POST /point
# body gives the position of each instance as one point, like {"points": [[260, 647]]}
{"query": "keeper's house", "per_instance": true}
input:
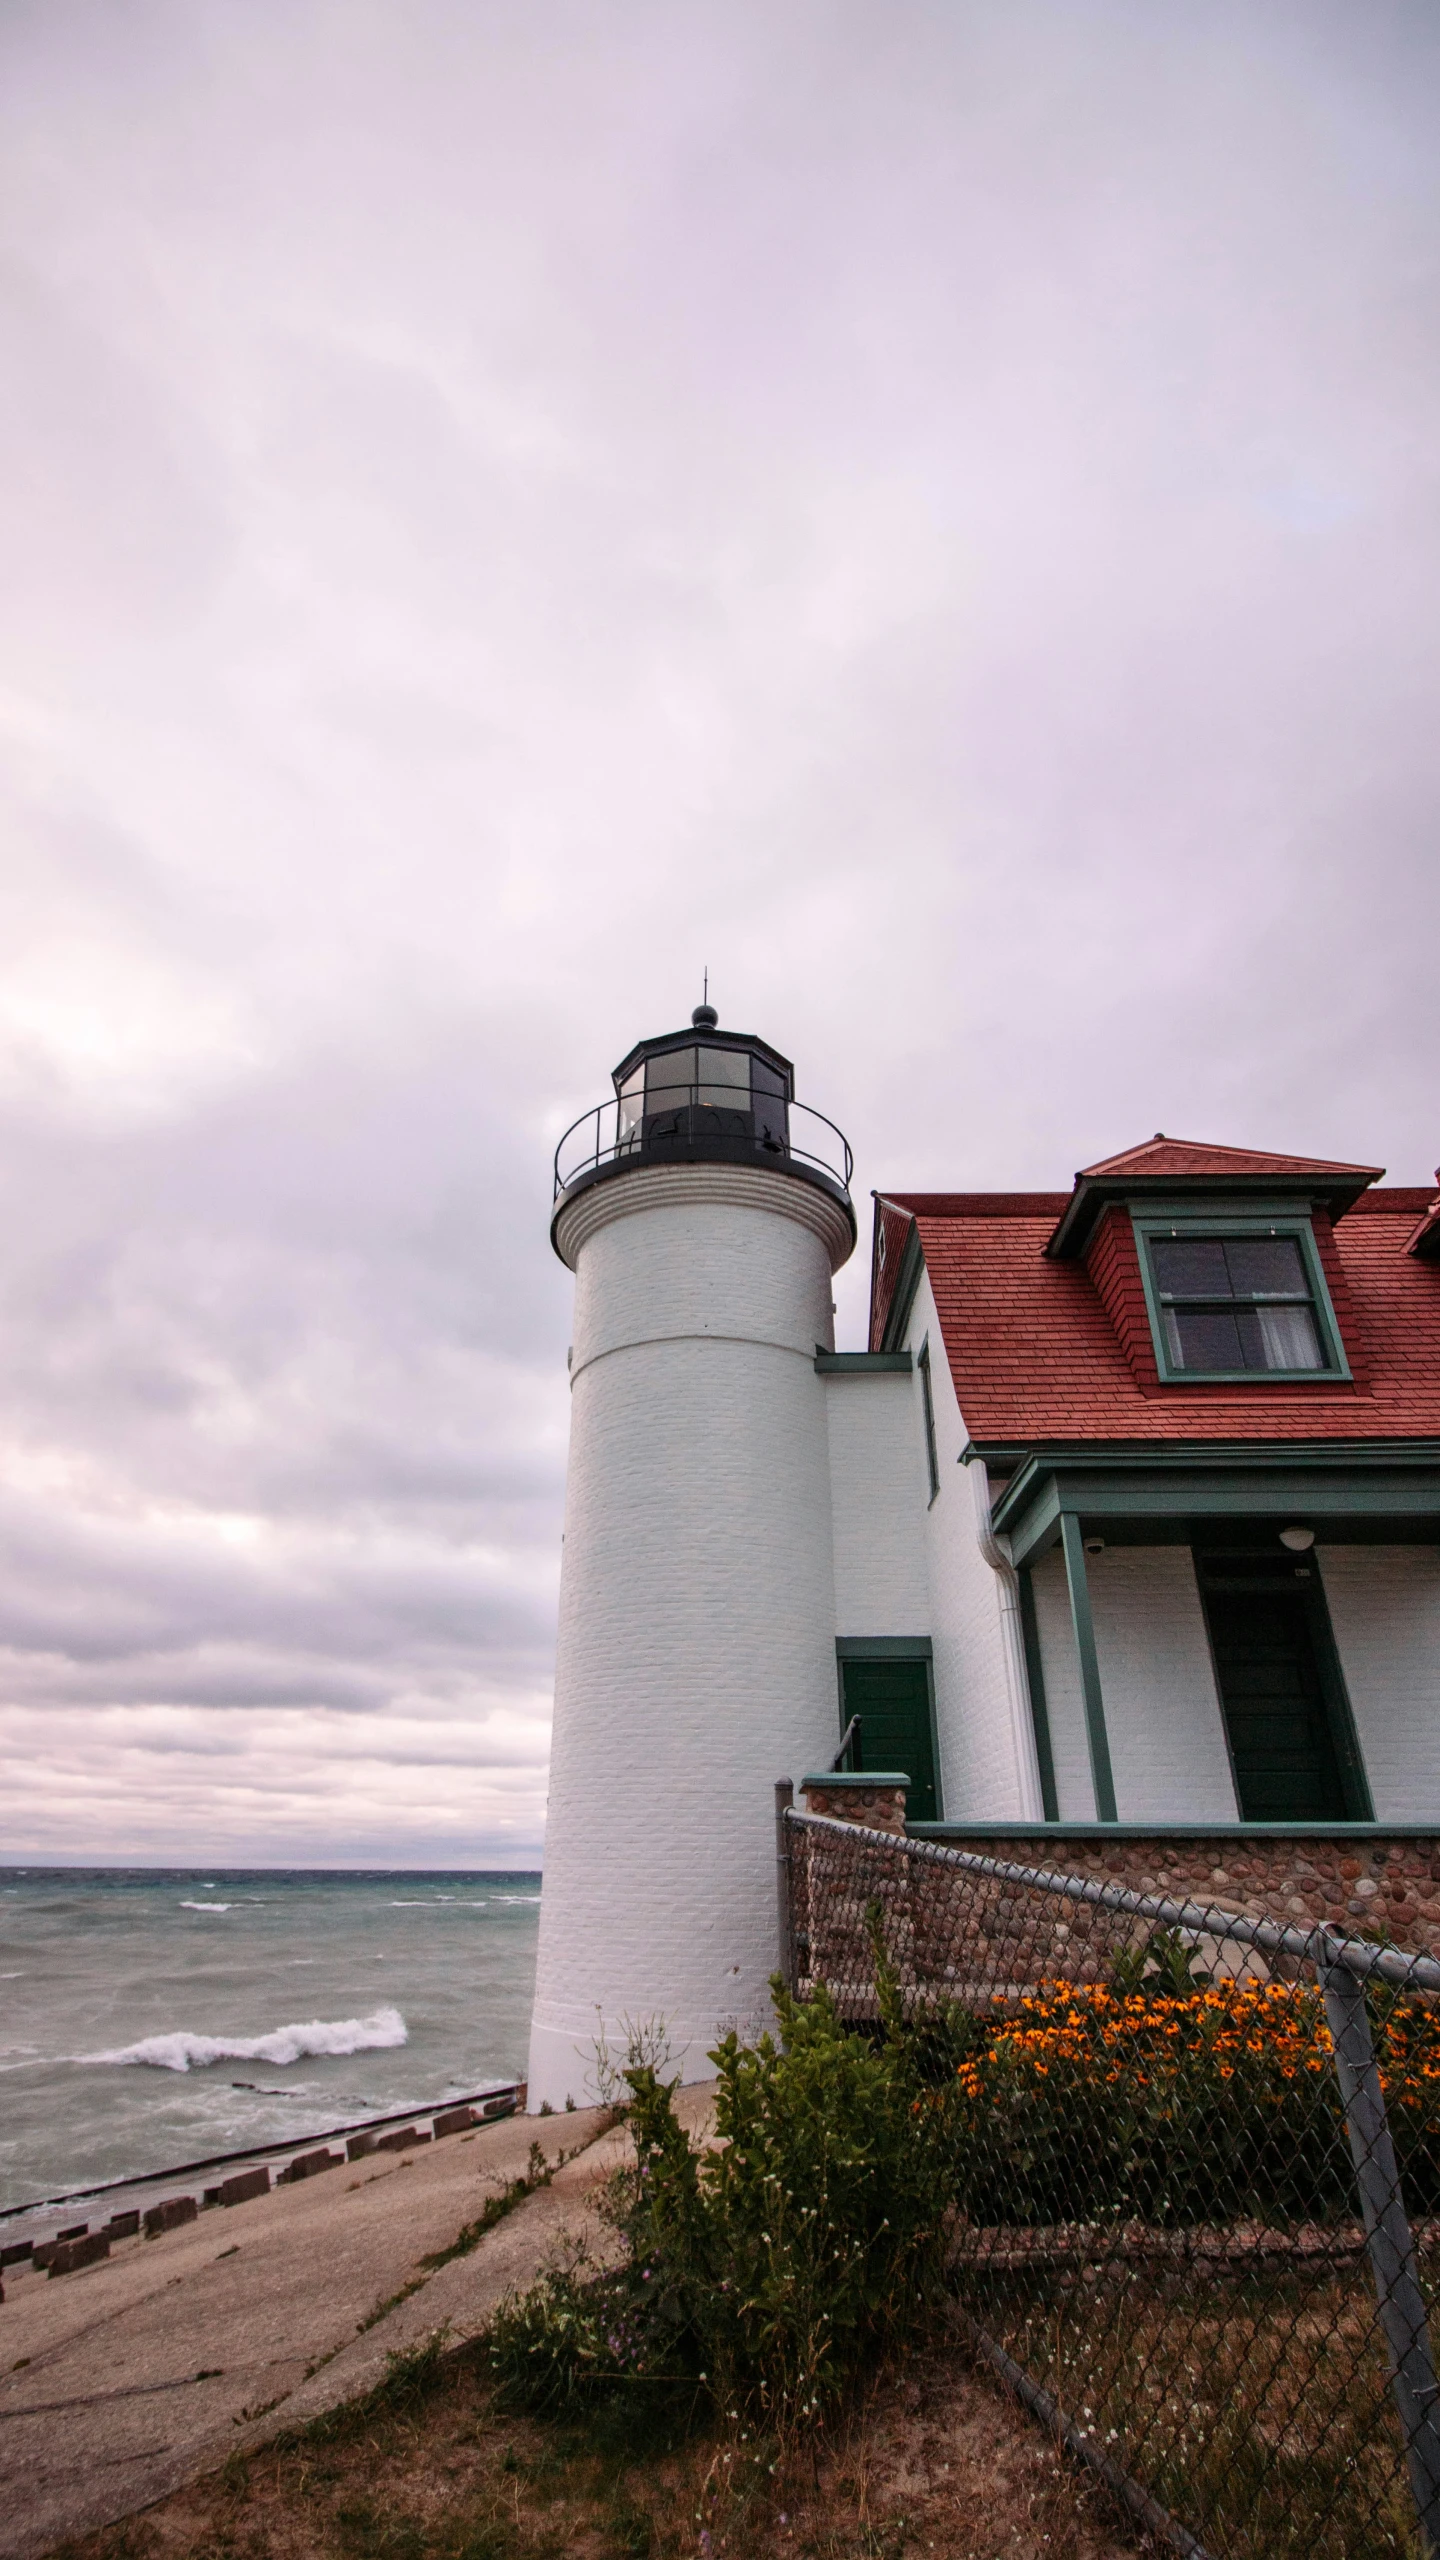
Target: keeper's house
{"points": [[1137, 1498]]}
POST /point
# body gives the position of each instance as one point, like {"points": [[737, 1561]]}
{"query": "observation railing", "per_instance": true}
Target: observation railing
{"points": [[693, 1126]]}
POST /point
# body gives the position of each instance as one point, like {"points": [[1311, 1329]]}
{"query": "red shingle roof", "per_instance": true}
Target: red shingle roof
{"points": [[1037, 1354], [1162, 1155]]}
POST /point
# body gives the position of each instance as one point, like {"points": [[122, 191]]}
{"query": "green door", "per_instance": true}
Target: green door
{"points": [[891, 1697], [1281, 1730]]}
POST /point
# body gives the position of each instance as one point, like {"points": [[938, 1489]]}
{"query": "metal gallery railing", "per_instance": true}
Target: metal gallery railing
{"points": [[1196, 2179], [783, 1134]]}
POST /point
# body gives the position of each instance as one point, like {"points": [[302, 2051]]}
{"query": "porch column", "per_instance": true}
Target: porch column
{"points": [[1079, 1585]]}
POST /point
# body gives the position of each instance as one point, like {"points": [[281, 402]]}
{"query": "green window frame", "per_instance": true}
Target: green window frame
{"points": [[927, 1398], [1251, 1225]]}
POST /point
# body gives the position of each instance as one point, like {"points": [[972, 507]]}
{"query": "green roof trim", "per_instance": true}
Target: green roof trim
{"points": [[860, 1364], [1337, 1487], [907, 1281]]}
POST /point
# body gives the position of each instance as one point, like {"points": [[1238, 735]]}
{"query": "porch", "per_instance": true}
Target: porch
{"points": [[1229, 1633]]}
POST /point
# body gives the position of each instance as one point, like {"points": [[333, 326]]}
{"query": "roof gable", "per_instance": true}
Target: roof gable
{"points": [[1182, 1156], [1193, 1168]]}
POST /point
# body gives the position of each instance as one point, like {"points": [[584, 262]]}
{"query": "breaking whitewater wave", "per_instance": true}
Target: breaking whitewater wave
{"points": [[183, 2051]]}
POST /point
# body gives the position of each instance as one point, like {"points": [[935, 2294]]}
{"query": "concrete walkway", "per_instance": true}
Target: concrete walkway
{"points": [[121, 2382]]}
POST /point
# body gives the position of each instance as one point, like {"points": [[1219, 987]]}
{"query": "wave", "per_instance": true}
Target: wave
{"points": [[205, 1906], [183, 2051]]}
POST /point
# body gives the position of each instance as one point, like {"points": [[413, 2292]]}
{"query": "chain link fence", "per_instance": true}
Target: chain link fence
{"points": [[1196, 2179]]}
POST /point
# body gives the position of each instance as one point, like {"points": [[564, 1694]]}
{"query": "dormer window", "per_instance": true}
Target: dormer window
{"points": [[1236, 1299]]}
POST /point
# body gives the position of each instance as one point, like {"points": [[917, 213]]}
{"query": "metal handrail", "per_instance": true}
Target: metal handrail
{"points": [[609, 1143]]}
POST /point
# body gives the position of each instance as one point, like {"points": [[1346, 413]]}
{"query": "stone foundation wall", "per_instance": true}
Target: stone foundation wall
{"points": [[848, 1799], [1380, 1883]]}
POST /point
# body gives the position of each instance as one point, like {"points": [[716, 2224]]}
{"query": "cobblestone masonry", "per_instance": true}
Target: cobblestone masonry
{"points": [[946, 1929], [1371, 1884], [878, 1808]]}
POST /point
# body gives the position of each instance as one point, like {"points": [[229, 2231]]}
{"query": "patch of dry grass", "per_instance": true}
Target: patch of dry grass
{"points": [[930, 2458]]}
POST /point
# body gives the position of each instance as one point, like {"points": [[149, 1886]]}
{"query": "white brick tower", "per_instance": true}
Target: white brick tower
{"points": [[703, 1213]]}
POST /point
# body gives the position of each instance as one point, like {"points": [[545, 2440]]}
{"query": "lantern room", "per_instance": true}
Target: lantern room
{"points": [[703, 1096]]}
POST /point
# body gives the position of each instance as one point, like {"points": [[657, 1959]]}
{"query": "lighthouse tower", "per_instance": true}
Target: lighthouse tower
{"points": [[703, 1212]]}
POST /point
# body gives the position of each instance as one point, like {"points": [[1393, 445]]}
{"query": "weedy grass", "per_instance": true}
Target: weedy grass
{"points": [[925, 2460]]}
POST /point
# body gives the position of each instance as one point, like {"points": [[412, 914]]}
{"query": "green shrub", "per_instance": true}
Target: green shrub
{"points": [[765, 2269]]}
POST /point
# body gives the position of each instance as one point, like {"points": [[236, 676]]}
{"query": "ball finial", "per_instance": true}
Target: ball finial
{"points": [[705, 1017]]}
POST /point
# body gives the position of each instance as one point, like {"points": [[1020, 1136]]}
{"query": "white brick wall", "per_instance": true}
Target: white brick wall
{"points": [[1385, 1612], [980, 1779], [696, 1659], [878, 1491], [1162, 1714]]}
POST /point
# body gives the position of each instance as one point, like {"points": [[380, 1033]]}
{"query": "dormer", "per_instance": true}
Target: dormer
{"points": [[1212, 1260]]}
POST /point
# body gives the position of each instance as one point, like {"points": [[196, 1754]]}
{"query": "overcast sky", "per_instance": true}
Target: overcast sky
{"points": [[930, 510]]}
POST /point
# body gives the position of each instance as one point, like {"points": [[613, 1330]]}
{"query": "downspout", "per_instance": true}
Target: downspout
{"points": [[1022, 1722]]}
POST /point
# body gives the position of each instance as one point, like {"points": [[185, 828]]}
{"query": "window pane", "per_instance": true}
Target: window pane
{"points": [[1190, 1266], [724, 1079], [668, 1080], [768, 1094], [1289, 1338], [632, 1103], [1206, 1340], [1266, 1267]]}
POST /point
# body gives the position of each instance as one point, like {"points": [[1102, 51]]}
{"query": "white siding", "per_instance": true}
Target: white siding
{"points": [[980, 1780], [1385, 1611], [878, 1488], [1162, 1714]]}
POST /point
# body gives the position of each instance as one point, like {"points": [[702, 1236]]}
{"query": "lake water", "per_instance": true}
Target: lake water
{"points": [[150, 2017]]}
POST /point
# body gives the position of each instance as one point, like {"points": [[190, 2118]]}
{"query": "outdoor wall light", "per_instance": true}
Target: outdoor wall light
{"points": [[1094, 1546], [1299, 1541]]}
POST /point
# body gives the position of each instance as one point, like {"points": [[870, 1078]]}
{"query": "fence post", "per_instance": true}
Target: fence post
{"points": [[1387, 2234], [784, 1798]]}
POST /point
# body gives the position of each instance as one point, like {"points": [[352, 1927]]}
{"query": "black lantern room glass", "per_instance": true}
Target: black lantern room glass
{"points": [[703, 1090]]}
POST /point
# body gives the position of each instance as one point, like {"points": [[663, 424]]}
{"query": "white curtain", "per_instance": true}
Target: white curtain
{"points": [[1289, 1336]]}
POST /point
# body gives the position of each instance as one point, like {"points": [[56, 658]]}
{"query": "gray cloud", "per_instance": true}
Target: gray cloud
{"points": [[932, 513]]}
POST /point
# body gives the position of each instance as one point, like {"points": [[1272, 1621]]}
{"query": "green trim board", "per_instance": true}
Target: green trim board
{"points": [[927, 1399], [1078, 1584], [884, 1649], [1336, 1188], [1235, 1832], [861, 1364], [1039, 1711], [1180, 1219], [857, 1778], [907, 1281]]}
